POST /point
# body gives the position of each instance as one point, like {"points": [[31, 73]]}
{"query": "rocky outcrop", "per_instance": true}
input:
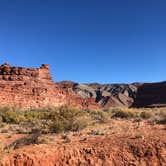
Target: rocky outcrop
{"points": [[34, 87], [120, 95], [9, 73], [108, 95], [151, 95], [26, 87]]}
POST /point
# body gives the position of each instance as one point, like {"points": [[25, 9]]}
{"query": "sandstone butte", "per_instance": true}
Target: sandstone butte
{"points": [[34, 87]]}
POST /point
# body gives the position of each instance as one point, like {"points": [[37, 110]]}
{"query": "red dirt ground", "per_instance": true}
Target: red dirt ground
{"points": [[116, 143]]}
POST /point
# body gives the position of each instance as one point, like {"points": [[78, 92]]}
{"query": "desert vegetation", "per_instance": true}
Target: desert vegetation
{"points": [[69, 126], [69, 118]]}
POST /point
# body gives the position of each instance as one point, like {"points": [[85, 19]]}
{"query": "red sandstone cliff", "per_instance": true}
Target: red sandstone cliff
{"points": [[34, 87]]}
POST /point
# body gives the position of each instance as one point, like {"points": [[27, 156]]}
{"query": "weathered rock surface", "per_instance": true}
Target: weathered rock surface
{"points": [[108, 95], [129, 95], [34, 87], [151, 95]]}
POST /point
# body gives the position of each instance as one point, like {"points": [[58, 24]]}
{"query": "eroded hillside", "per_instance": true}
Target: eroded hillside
{"points": [[34, 88]]}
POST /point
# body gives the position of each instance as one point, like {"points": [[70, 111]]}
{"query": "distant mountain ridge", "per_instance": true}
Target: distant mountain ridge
{"points": [[119, 95]]}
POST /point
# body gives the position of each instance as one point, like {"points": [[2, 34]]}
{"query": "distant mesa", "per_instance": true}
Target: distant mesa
{"points": [[34, 87]]}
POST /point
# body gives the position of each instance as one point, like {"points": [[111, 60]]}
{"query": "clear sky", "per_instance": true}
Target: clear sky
{"points": [[106, 41]]}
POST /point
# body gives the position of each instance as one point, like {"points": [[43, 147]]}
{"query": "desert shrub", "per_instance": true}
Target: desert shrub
{"points": [[5, 109], [34, 126], [12, 117], [43, 139], [155, 115], [66, 118], [160, 117], [69, 112], [106, 110], [124, 113], [1, 119], [80, 123], [72, 118], [57, 126], [163, 120], [30, 115], [47, 120], [146, 114], [99, 115]]}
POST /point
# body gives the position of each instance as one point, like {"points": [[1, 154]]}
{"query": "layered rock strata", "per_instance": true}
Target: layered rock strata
{"points": [[34, 88]]}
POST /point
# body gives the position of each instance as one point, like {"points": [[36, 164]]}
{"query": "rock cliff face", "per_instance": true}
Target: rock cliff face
{"points": [[151, 95], [34, 87], [129, 95], [108, 95], [25, 87]]}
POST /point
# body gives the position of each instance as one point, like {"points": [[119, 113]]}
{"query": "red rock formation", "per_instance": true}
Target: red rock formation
{"points": [[34, 87]]}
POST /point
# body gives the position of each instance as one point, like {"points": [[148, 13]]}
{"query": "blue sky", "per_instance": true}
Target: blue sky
{"points": [[106, 41]]}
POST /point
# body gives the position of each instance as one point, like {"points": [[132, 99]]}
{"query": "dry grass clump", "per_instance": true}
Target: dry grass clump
{"points": [[159, 115], [124, 113], [98, 115], [146, 114], [141, 113]]}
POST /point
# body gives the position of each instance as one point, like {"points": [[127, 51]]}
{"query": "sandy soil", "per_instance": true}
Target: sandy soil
{"points": [[116, 143]]}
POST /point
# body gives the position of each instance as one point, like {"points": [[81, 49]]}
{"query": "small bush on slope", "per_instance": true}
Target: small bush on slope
{"points": [[99, 115], [124, 113]]}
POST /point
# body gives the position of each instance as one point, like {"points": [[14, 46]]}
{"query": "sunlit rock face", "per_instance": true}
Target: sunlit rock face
{"points": [[108, 95], [34, 88]]}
